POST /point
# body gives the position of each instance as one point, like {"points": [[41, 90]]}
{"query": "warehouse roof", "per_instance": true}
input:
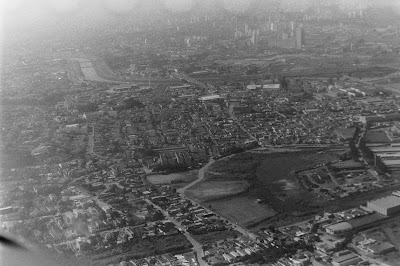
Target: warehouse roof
{"points": [[380, 247], [391, 162], [387, 202], [347, 257], [385, 149], [209, 97], [339, 226], [347, 164]]}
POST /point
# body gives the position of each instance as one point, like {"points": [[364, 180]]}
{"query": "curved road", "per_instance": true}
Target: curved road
{"points": [[199, 179]]}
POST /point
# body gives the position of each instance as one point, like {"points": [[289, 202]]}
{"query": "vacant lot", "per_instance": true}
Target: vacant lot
{"points": [[392, 232], [242, 210], [213, 190], [270, 176], [184, 177]]}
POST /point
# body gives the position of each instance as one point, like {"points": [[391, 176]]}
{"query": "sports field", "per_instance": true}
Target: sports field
{"points": [[242, 210], [184, 177], [213, 190]]}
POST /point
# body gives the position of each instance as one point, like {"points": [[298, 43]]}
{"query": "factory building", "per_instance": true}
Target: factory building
{"points": [[386, 206]]}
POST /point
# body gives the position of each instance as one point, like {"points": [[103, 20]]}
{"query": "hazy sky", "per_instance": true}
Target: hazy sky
{"points": [[28, 11]]}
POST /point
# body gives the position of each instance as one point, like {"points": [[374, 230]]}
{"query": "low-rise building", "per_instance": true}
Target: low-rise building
{"points": [[346, 259]]}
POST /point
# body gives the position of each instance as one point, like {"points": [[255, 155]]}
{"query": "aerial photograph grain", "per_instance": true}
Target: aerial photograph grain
{"points": [[200, 132]]}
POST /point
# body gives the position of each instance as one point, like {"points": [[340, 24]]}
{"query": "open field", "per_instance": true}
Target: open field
{"points": [[9, 160], [394, 85], [387, 232], [213, 190], [269, 176], [242, 210], [184, 177], [273, 178]]}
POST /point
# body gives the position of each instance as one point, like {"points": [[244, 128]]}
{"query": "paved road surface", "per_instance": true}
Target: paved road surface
{"points": [[199, 179], [196, 245]]}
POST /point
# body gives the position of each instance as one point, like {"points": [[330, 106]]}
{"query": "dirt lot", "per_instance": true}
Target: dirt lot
{"points": [[213, 190], [242, 210], [184, 177]]}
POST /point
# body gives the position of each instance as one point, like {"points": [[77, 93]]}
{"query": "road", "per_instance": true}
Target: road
{"points": [[196, 245], [199, 179]]}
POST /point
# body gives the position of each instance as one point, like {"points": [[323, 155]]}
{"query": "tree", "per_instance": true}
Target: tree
{"points": [[284, 83]]}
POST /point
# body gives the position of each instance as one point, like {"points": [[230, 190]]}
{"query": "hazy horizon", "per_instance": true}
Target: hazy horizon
{"points": [[26, 12]]}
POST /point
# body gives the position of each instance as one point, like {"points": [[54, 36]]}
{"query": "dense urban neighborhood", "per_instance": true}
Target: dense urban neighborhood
{"points": [[260, 134]]}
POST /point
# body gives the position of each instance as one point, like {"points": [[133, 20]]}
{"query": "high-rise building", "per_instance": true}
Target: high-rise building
{"points": [[299, 38], [246, 30], [254, 37], [292, 25]]}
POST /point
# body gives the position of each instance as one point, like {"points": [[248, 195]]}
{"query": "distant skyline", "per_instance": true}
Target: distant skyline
{"points": [[30, 11]]}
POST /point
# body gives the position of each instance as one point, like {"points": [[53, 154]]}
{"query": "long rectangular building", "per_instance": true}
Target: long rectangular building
{"points": [[387, 206]]}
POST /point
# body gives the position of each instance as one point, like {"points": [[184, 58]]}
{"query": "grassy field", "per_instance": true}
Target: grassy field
{"points": [[184, 177], [213, 190], [270, 176], [242, 210]]}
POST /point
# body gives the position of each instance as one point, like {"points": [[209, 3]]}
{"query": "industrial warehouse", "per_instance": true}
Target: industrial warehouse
{"points": [[386, 206]]}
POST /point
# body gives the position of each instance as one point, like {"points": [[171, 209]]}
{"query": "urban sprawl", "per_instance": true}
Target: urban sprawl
{"points": [[266, 136]]}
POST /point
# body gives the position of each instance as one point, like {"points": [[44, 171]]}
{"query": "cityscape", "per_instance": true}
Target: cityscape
{"points": [[200, 132]]}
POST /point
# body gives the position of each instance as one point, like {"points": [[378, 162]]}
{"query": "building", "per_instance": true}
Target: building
{"points": [[338, 228], [6, 210], [271, 87], [299, 38], [380, 248], [386, 206], [69, 217], [209, 97], [346, 258]]}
